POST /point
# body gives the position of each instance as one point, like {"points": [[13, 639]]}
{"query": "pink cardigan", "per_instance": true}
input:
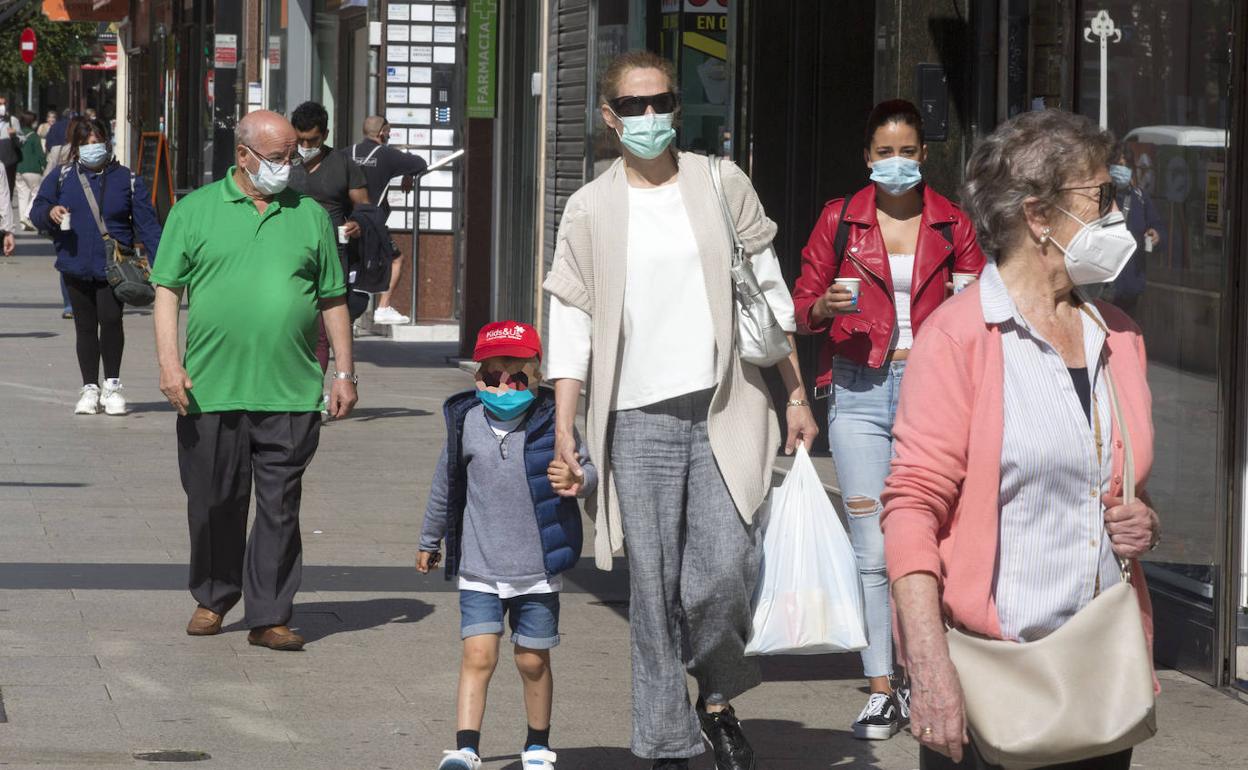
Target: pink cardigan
{"points": [[940, 504]]}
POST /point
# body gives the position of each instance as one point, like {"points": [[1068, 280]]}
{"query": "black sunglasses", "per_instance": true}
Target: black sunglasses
{"points": [[1105, 194], [632, 106]]}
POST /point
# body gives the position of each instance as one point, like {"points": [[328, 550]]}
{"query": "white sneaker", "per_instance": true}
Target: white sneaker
{"points": [[538, 759], [460, 759], [88, 400], [114, 403], [388, 315]]}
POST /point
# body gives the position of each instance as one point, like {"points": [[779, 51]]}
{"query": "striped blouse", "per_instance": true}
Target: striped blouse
{"points": [[1055, 554]]}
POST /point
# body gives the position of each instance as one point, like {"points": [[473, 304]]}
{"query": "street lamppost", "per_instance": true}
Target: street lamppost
{"points": [[1103, 27]]}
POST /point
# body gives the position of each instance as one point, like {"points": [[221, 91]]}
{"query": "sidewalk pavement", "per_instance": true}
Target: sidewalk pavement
{"points": [[95, 667]]}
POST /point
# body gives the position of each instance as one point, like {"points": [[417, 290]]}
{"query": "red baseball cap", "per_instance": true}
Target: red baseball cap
{"points": [[507, 338]]}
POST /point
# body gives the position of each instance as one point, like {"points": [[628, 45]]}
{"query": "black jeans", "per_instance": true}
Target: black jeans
{"points": [[97, 322], [971, 760], [219, 454]]}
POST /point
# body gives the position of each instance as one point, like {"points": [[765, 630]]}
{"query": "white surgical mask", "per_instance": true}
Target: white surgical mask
{"points": [[308, 153], [271, 178], [1100, 250]]}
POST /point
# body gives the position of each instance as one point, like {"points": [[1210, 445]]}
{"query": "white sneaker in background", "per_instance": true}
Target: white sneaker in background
{"points": [[388, 315], [113, 402], [461, 759], [88, 400]]}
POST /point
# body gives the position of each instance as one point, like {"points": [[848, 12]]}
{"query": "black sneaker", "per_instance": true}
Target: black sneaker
{"points": [[670, 764], [881, 719], [722, 732]]}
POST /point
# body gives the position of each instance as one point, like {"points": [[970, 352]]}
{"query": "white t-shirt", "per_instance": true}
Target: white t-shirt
{"points": [[668, 345], [902, 268]]}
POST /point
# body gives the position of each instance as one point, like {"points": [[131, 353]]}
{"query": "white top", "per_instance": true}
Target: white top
{"points": [[502, 588], [902, 268], [1055, 554], [668, 338]]}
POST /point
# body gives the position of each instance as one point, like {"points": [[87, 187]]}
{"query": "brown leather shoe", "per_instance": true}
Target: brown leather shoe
{"points": [[275, 638], [204, 622]]}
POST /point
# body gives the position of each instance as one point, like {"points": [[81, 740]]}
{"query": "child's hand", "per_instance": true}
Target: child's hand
{"points": [[427, 560], [562, 479]]}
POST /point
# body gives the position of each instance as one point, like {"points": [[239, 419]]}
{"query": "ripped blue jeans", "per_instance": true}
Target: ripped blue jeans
{"points": [[860, 432]]}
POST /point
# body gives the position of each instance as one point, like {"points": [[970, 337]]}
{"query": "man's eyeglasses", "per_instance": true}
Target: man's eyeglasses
{"points": [[292, 161], [632, 106], [1105, 194]]}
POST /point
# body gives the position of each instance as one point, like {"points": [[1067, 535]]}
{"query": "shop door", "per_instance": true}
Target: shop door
{"points": [[1166, 66]]}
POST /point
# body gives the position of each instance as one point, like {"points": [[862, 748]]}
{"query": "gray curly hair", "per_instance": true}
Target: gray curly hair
{"points": [[1032, 155]]}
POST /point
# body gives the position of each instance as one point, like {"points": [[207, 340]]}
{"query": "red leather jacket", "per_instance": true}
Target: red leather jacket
{"points": [[865, 336]]}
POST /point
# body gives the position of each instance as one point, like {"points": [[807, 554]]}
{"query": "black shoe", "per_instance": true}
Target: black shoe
{"points": [[670, 764], [722, 732], [880, 719]]}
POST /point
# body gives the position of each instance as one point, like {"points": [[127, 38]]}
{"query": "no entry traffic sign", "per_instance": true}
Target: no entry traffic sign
{"points": [[28, 45]]}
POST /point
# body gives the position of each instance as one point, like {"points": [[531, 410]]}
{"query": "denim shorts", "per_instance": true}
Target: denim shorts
{"points": [[534, 618]]}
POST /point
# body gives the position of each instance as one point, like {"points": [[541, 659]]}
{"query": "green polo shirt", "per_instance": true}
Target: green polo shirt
{"points": [[253, 282]]}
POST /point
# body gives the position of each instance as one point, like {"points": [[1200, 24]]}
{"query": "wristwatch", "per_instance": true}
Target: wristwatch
{"points": [[347, 376]]}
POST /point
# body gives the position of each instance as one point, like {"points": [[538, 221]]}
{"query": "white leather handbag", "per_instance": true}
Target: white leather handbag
{"points": [[1083, 691], [760, 340]]}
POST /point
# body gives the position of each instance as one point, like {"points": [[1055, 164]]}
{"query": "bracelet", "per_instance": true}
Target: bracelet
{"points": [[798, 402], [347, 376]]}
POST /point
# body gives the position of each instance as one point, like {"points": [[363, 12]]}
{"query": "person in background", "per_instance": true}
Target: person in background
{"points": [[6, 220], [333, 181], [903, 242], [48, 121], [259, 265], [382, 163], [10, 142], [59, 131], [1006, 424], [1144, 222], [29, 169], [82, 252]]}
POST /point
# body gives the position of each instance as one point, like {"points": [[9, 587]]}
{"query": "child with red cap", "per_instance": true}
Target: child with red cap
{"points": [[507, 510]]}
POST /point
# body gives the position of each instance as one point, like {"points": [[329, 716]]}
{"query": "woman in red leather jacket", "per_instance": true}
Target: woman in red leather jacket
{"points": [[904, 246]]}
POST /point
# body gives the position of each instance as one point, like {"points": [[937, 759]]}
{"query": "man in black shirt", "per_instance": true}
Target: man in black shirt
{"points": [[382, 163], [332, 180]]}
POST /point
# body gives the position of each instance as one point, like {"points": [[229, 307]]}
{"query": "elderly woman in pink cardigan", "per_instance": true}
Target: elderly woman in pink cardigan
{"points": [[1003, 513]]}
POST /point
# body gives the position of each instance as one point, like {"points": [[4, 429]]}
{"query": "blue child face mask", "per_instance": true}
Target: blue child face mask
{"points": [[896, 175], [506, 406]]}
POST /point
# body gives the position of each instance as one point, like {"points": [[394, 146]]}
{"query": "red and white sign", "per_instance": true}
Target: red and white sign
{"points": [[225, 52], [28, 45]]}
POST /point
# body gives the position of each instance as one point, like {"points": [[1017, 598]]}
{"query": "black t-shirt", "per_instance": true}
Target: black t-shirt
{"points": [[330, 184], [380, 164]]}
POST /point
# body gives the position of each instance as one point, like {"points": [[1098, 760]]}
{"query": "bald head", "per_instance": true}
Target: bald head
{"points": [[262, 135], [376, 128]]}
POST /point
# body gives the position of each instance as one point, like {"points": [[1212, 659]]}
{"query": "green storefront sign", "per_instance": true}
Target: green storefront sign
{"points": [[482, 57]]}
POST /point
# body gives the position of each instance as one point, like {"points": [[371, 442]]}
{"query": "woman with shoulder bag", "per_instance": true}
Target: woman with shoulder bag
{"points": [[876, 265], [682, 429], [66, 207], [1024, 431]]}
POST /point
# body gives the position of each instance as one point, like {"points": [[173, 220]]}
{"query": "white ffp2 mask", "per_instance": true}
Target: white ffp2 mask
{"points": [[1100, 250]]}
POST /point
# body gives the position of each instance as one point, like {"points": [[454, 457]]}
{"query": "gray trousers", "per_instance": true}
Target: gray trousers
{"points": [[692, 566], [219, 454]]}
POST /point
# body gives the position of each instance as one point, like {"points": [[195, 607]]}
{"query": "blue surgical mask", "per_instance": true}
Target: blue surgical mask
{"points": [[647, 136], [506, 406], [1120, 174], [93, 155], [896, 175]]}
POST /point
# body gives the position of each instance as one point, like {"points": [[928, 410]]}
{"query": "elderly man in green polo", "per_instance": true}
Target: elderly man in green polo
{"points": [[257, 262]]}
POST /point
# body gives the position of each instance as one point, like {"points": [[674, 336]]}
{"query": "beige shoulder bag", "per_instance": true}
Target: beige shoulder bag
{"points": [[1083, 691]]}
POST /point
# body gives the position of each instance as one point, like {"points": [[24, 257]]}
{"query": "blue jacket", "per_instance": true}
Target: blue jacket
{"points": [[558, 518], [1141, 215], [126, 209]]}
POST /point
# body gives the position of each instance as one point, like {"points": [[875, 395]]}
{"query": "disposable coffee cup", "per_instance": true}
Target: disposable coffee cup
{"points": [[65, 221], [342, 234], [853, 284], [1148, 245], [962, 280]]}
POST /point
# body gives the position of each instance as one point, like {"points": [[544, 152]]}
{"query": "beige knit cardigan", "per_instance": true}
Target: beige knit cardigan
{"points": [[591, 255]]}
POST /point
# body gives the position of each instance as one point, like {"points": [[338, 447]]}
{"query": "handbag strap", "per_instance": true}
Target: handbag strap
{"points": [[91, 201], [1128, 460], [738, 248]]}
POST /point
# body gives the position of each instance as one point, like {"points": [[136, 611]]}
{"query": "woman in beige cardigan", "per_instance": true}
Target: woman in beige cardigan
{"points": [[683, 431]]}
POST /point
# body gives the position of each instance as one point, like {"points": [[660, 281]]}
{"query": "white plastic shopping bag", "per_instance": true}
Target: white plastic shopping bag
{"points": [[809, 597]]}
